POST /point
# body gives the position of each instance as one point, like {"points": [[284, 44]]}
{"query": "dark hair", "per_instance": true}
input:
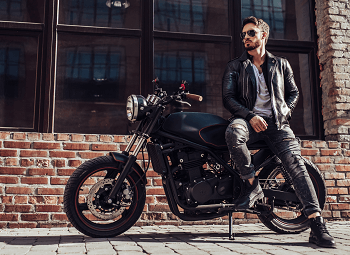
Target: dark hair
{"points": [[262, 25]]}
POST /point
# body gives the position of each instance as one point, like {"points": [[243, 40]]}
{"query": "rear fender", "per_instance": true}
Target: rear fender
{"points": [[123, 159]]}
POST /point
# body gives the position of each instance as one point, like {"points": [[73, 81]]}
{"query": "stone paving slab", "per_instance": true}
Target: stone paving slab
{"points": [[160, 240]]}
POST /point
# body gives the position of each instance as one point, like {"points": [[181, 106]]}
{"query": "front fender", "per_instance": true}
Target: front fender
{"points": [[123, 159]]}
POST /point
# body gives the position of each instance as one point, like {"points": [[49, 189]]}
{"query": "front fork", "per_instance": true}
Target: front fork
{"points": [[143, 136]]}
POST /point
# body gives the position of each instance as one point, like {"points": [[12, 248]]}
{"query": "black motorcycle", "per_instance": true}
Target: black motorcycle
{"points": [[105, 196]]}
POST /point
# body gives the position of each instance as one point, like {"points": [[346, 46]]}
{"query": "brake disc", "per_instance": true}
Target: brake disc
{"points": [[97, 204]]}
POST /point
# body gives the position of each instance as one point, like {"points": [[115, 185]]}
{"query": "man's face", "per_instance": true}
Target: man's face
{"points": [[253, 42]]}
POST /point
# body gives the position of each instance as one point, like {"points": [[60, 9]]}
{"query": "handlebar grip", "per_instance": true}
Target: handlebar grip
{"points": [[194, 97]]}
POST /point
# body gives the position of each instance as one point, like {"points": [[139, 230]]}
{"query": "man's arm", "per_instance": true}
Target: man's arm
{"points": [[230, 96], [291, 89]]}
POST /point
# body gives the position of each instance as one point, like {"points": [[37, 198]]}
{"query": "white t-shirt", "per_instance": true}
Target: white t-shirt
{"points": [[263, 100]]}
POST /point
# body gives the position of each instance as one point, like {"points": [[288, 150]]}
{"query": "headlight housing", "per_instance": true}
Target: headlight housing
{"points": [[135, 106]]}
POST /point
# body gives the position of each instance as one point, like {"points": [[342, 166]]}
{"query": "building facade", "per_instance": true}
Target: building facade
{"points": [[66, 68]]}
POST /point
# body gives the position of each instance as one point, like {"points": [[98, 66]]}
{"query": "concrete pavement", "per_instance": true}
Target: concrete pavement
{"points": [[186, 240]]}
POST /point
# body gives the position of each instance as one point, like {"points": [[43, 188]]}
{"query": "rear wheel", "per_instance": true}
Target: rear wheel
{"points": [[288, 216], [86, 198]]}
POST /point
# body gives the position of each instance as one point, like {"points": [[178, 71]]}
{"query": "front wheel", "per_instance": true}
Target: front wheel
{"points": [[288, 216], [86, 198]]}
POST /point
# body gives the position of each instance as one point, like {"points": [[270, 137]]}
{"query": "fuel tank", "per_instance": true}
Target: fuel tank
{"points": [[202, 128]]}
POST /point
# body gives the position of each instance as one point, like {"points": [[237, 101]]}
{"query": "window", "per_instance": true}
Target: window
{"points": [[68, 66]]}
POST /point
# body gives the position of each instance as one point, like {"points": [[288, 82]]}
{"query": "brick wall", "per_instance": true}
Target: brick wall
{"points": [[35, 167], [333, 29]]}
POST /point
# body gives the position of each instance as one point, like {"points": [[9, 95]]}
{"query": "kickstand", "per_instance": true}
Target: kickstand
{"points": [[230, 232]]}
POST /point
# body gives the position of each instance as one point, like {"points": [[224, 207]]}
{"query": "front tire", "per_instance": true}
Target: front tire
{"points": [[85, 200], [288, 218]]}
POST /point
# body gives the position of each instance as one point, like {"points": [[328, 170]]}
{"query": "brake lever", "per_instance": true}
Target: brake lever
{"points": [[183, 102]]}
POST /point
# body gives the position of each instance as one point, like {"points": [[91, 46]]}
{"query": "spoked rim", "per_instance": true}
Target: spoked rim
{"points": [[83, 199], [285, 212]]}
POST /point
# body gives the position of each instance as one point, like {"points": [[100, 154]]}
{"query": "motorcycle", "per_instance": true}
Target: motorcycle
{"points": [[105, 196]]}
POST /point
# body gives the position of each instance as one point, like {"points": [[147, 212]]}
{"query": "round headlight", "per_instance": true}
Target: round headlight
{"points": [[135, 105]]}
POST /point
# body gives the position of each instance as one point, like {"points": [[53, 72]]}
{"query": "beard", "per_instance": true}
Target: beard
{"points": [[252, 46]]}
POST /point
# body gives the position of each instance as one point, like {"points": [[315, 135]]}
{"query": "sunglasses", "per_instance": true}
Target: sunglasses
{"points": [[250, 33]]}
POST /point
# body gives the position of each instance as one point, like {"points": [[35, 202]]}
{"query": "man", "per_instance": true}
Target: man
{"points": [[260, 92]]}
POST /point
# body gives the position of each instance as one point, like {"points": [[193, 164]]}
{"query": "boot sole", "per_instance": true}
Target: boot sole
{"points": [[314, 241], [257, 197]]}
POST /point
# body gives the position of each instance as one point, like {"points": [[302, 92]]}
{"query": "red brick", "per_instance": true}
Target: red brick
{"points": [[104, 147], [59, 163], [59, 217], [343, 183], [123, 147], [13, 170], [342, 168], [19, 136], [76, 146], [342, 161], [33, 136], [58, 181], [340, 206], [15, 144], [105, 138], [158, 208], [322, 167], [21, 200], [34, 180], [9, 179], [48, 200], [90, 155], [155, 192], [151, 173], [22, 225], [19, 190], [252, 216], [35, 217], [48, 137], [334, 175], [52, 225], [50, 191], [333, 144], [65, 172], [119, 139], [8, 217], [41, 171], [33, 153], [8, 153], [4, 135], [6, 199], [46, 145], [62, 137], [11, 162], [320, 144], [77, 138], [330, 183], [307, 144], [91, 138], [330, 152], [48, 208], [309, 152], [334, 191], [27, 162], [322, 160], [18, 208], [150, 200], [157, 182], [74, 163], [344, 145], [62, 154]]}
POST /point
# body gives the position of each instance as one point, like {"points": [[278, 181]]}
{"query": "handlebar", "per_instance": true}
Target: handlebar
{"points": [[194, 97]]}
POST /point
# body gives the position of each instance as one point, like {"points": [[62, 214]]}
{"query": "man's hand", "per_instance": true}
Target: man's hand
{"points": [[258, 124]]}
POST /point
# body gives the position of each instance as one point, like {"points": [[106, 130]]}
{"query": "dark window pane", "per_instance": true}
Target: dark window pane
{"points": [[302, 121], [200, 64], [95, 76], [18, 67], [22, 10], [288, 19], [191, 16], [101, 13]]}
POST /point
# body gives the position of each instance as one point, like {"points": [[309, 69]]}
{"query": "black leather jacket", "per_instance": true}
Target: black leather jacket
{"points": [[239, 88]]}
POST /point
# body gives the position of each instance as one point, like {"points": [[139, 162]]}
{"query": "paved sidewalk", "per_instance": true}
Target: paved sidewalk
{"points": [[186, 240]]}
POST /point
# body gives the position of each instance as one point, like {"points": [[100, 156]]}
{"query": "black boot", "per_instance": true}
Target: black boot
{"points": [[251, 194], [319, 234]]}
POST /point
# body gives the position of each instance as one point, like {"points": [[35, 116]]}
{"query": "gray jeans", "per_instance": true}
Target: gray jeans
{"points": [[284, 144]]}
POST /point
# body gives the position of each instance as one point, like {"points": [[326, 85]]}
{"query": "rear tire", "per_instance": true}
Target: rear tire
{"points": [[283, 219], [85, 198]]}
